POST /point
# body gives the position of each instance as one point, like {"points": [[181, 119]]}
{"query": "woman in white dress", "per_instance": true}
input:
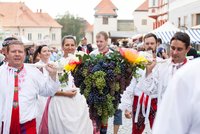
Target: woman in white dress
{"points": [[42, 53], [68, 112]]}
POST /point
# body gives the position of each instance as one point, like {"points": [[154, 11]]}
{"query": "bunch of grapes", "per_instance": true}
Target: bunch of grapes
{"points": [[102, 80]]}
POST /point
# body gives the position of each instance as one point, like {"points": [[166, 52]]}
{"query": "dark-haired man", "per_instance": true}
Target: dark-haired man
{"points": [[87, 48], [157, 76], [133, 100]]}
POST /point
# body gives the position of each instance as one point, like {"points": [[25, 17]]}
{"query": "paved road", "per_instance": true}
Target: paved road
{"points": [[126, 128]]}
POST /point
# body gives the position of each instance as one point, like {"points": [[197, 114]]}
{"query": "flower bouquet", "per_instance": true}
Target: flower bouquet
{"points": [[102, 78]]}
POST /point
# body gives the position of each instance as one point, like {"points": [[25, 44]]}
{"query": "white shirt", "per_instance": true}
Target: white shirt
{"points": [[96, 51], [157, 82], [179, 111], [31, 84]]}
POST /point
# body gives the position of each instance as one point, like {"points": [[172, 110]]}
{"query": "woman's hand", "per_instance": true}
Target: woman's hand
{"points": [[70, 93]]}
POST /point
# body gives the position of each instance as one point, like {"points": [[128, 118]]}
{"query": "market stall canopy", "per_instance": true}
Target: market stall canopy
{"points": [[168, 26], [25, 41], [194, 35], [165, 32], [121, 34], [196, 27]]}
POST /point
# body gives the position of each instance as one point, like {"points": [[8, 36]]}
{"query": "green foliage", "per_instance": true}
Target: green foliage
{"points": [[71, 25]]}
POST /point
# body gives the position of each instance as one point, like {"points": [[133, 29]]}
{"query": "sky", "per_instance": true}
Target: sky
{"points": [[80, 8]]}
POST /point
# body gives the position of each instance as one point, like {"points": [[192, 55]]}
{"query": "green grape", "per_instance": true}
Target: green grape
{"points": [[88, 84], [117, 70], [85, 72], [100, 84], [117, 86], [110, 106], [99, 109]]}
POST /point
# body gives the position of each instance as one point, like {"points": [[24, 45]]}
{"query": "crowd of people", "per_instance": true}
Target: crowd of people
{"points": [[32, 100]]}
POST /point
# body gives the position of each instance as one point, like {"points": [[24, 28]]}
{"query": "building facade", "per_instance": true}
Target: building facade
{"points": [[184, 13], [16, 19], [142, 22]]}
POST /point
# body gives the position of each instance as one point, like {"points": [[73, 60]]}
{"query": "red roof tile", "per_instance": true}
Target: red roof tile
{"points": [[18, 14], [105, 7], [144, 6], [89, 27], [105, 3]]}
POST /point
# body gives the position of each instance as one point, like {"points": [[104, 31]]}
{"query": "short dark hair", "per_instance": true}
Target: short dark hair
{"points": [[184, 37], [68, 37], [159, 40], [38, 51], [150, 35], [7, 40]]}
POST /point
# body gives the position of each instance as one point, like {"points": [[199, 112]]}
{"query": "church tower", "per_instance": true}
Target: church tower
{"points": [[105, 17]]}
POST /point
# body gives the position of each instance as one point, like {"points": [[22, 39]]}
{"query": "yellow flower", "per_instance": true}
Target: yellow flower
{"points": [[72, 64], [140, 59], [69, 67], [130, 56]]}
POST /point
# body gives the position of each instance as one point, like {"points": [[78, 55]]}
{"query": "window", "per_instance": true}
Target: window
{"points": [[29, 36], [105, 20], [39, 36], [53, 36], [144, 22], [185, 21], [198, 19], [153, 2], [179, 21]]}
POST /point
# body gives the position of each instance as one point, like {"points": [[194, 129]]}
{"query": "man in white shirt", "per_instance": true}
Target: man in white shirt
{"points": [[179, 110], [134, 99], [102, 44], [155, 81], [20, 85]]}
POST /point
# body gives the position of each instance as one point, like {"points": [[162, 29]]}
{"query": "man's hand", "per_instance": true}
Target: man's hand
{"points": [[150, 66], [128, 114]]}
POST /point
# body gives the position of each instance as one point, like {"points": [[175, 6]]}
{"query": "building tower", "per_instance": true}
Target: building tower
{"points": [[105, 17]]}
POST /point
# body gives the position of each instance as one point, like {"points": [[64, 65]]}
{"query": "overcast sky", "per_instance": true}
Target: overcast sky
{"points": [[81, 8]]}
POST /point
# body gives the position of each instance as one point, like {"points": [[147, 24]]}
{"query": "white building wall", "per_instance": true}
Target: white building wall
{"points": [[89, 37], [138, 17], [24, 31], [183, 9], [99, 26]]}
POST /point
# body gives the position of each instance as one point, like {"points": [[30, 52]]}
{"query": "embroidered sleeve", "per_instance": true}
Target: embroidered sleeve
{"points": [[127, 97], [149, 84]]}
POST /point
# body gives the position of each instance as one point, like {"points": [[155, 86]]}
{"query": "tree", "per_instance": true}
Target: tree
{"points": [[71, 25]]}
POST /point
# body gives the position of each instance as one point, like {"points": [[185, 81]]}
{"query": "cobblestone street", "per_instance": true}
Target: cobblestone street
{"points": [[125, 128]]}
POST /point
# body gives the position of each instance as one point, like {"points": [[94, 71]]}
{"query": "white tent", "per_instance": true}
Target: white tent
{"points": [[25, 41], [167, 26], [165, 32], [196, 27]]}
